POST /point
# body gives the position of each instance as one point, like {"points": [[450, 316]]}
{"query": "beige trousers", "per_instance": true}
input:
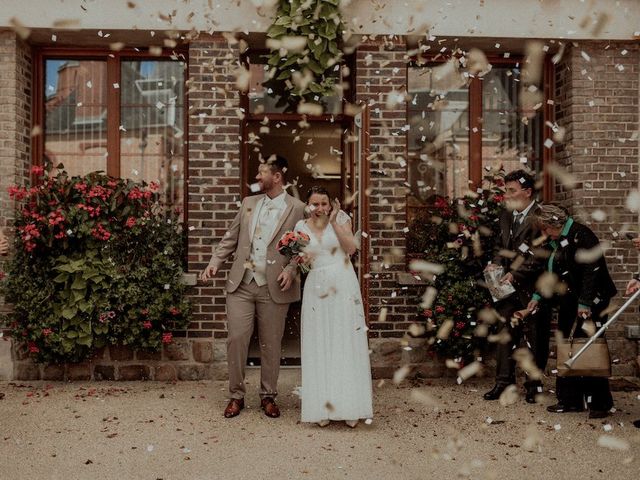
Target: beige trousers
{"points": [[243, 305]]}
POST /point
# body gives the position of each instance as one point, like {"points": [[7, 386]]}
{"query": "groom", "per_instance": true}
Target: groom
{"points": [[261, 283]]}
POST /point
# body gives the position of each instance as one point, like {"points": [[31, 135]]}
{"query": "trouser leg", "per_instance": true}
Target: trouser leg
{"points": [[240, 321], [271, 322], [505, 365], [537, 334]]}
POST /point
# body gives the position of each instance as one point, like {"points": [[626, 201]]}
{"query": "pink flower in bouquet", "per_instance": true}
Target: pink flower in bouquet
{"points": [[146, 324], [292, 245]]}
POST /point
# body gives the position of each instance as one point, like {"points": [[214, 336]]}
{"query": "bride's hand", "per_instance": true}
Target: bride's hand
{"points": [[335, 209]]}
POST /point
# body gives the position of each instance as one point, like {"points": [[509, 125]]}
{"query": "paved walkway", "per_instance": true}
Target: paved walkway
{"points": [[436, 430]]}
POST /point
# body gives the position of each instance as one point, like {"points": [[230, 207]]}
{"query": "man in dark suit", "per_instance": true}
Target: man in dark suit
{"points": [[514, 253]]}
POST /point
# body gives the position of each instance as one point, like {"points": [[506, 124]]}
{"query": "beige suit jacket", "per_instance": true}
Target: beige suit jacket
{"points": [[237, 241]]}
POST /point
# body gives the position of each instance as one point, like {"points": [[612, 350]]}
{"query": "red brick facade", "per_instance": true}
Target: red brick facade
{"points": [[596, 95], [598, 147]]}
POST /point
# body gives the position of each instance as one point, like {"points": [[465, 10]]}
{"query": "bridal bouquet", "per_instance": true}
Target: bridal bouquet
{"points": [[292, 244]]}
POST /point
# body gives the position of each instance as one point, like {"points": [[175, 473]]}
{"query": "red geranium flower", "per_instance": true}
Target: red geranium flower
{"points": [[167, 337], [146, 324]]}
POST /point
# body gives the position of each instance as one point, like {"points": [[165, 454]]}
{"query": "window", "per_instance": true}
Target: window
{"points": [[121, 113], [461, 126]]}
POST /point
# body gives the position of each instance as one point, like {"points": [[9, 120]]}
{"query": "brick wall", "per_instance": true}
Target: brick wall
{"points": [[15, 119], [214, 172], [381, 71], [597, 103], [15, 129]]}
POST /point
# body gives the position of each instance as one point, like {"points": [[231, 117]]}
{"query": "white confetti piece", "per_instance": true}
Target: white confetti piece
{"points": [[613, 443], [557, 427], [400, 374], [469, 371], [254, 187], [149, 448], [368, 421]]}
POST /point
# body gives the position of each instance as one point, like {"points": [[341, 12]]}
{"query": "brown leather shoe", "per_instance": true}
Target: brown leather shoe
{"points": [[234, 407], [270, 408]]}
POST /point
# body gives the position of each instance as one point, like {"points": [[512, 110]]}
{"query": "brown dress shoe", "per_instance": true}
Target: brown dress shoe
{"points": [[270, 408], [234, 407]]}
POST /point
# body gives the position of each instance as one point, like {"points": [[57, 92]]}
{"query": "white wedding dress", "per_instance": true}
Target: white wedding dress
{"points": [[336, 372]]}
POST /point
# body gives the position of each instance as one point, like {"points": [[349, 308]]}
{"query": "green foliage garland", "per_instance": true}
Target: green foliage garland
{"points": [[308, 73], [97, 262]]}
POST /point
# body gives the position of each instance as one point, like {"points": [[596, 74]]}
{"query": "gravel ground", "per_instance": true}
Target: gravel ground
{"points": [[435, 429]]}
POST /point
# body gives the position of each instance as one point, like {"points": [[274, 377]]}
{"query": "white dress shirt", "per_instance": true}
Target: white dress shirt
{"points": [[263, 224]]}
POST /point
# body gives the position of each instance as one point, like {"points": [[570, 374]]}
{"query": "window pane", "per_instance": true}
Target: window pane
{"points": [[75, 131], [438, 141], [152, 118], [508, 136]]}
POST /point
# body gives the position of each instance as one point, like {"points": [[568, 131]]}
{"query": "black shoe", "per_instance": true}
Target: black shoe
{"points": [[560, 408], [636, 423], [532, 390], [530, 397], [598, 414], [495, 392]]}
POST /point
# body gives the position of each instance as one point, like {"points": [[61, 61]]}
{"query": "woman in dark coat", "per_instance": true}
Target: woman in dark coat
{"points": [[575, 260]]}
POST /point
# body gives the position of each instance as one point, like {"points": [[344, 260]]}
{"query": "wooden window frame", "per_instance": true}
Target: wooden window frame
{"points": [[113, 61], [475, 118]]}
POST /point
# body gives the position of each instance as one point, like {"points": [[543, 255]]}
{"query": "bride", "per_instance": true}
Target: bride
{"points": [[336, 373]]}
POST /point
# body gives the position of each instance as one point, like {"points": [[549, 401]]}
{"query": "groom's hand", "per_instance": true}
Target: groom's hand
{"points": [[285, 279], [208, 273]]}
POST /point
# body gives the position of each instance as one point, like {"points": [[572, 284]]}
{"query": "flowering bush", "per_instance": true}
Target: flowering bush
{"points": [[97, 262], [459, 235]]}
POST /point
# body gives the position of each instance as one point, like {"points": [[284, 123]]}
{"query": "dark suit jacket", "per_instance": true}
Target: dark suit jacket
{"points": [[525, 266], [589, 283]]}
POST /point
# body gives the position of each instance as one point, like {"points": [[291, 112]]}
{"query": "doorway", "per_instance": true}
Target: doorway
{"points": [[324, 153]]}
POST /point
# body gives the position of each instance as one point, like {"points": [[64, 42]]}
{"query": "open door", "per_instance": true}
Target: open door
{"points": [[356, 184]]}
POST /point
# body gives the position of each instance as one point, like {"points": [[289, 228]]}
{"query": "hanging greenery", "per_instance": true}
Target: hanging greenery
{"points": [[305, 53]]}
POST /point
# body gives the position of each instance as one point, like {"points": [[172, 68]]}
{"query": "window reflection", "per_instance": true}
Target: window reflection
{"points": [[152, 131], [75, 131]]}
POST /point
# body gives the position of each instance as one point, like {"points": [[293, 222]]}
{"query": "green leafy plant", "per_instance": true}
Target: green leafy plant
{"points": [[305, 51], [98, 262], [458, 235]]}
